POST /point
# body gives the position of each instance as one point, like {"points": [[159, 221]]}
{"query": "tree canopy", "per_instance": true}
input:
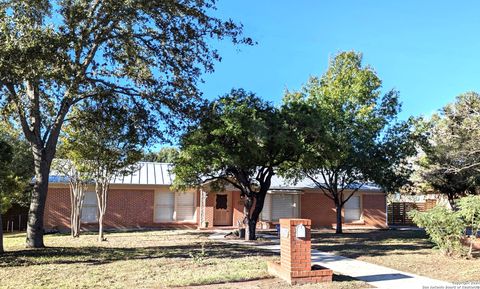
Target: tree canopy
{"points": [[164, 155], [451, 160], [349, 131], [56, 54], [240, 141]]}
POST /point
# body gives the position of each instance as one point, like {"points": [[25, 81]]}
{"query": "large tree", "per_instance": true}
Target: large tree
{"points": [[56, 54], [348, 132], [451, 161], [110, 149], [241, 141]]}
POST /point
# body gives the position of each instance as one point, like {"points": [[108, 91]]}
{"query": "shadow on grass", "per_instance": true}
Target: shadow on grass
{"points": [[102, 255], [371, 243]]}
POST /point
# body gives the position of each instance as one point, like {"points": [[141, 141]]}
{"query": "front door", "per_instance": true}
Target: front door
{"points": [[223, 209]]}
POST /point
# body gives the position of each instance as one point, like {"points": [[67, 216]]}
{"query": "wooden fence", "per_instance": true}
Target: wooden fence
{"points": [[398, 211]]}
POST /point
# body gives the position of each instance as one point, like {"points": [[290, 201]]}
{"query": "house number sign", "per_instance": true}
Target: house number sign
{"points": [[283, 232]]}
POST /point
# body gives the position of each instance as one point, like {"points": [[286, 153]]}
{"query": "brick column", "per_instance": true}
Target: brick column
{"points": [[295, 252], [295, 255]]}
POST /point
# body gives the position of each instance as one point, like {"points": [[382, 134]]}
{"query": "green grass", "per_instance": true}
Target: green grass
{"points": [[408, 251]]}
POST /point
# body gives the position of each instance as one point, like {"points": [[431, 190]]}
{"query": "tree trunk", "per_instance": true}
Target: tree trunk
{"points": [[1, 235], [35, 232], [247, 212], [100, 228], [339, 230]]}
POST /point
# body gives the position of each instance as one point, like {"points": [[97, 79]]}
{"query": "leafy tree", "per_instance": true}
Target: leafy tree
{"points": [[164, 155], [349, 133], [451, 164], [241, 141], [16, 171], [110, 149], [56, 54]]}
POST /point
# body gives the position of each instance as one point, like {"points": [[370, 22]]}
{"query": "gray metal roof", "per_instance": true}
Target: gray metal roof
{"points": [[153, 173]]}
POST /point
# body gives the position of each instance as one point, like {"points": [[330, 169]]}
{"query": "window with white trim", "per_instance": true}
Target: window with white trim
{"points": [[352, 209], [89, 208], [170, 206]]}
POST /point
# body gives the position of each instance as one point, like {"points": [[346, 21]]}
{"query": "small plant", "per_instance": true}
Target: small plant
{"points": [[198, 257], [445, 228]]}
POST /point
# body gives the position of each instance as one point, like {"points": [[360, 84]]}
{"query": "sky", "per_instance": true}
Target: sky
{"points": [[427, 50]]}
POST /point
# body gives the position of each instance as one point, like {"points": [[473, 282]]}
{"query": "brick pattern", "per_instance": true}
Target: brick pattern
{"points": [[126, 209], [320, 209], [295, 252], [295, 256]]}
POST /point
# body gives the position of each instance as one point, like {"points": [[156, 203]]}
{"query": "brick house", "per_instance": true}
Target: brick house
{"points": [[145, 200]]}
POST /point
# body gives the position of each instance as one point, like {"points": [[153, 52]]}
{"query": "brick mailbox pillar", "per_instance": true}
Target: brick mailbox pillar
{"points": [[295, 255]]}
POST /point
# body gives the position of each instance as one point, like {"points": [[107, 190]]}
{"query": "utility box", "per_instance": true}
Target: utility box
{"points": [[295, 255]]}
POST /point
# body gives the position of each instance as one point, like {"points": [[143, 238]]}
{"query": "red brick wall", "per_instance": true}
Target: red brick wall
{"points": [[321, 210], [57, 209], [126, 209], [374, 213]]}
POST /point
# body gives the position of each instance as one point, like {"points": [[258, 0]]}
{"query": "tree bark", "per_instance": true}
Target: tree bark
{"points": [[247, 209], [35, 232], [338, 229], [1, 235]]}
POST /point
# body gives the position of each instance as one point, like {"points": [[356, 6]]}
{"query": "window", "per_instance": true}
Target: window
{"points": [[89, 208], [171, 206], [185, 206], [352, 209], [164, 206], [278, 206]]}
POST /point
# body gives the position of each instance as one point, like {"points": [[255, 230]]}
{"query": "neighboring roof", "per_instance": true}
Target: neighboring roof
{"points": [[153, 173]]}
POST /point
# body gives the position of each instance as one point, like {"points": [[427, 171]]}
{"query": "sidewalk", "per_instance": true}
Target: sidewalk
{"points": [[375, 275]]}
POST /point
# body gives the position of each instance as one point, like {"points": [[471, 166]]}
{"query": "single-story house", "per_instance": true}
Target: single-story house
{"points": [[144, 200]]}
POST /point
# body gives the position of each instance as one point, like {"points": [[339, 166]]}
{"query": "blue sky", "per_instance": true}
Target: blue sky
{"points": [[428, 50]]}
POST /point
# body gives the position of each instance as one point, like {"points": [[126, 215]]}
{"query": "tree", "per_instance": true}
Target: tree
{"points": [[241, 141], [110, 149], [77, 173], [56, 54], [164, 155], [451, 164], [348, 132], [15, 172]]}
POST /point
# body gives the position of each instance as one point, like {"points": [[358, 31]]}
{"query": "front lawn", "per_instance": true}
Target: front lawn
{"points": [[408, 251], [150, 259]]}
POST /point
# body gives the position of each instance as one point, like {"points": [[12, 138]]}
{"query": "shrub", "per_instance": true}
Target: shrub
{"points": [[469, 211], [445, 228]]}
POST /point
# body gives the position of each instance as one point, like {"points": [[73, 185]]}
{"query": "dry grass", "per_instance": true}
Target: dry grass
{"points": [[151, 259], [409, 251]]}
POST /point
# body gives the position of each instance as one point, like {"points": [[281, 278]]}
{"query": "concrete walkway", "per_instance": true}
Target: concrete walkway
{"points": [[375, 275]]}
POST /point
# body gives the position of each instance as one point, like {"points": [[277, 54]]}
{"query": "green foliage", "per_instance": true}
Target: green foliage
{"points": [[349, 132], [239, 138], [164, 155], [444, 227], [16, 169], [469, 211], [452, 156], [111, 147]]}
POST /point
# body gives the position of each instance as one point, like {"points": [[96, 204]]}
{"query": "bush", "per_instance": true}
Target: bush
{"points": [[469, 211], [445, 228]]}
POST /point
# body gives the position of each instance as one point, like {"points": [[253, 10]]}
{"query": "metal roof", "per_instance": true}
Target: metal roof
{"points": [[153, 173], [146, 173]]}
